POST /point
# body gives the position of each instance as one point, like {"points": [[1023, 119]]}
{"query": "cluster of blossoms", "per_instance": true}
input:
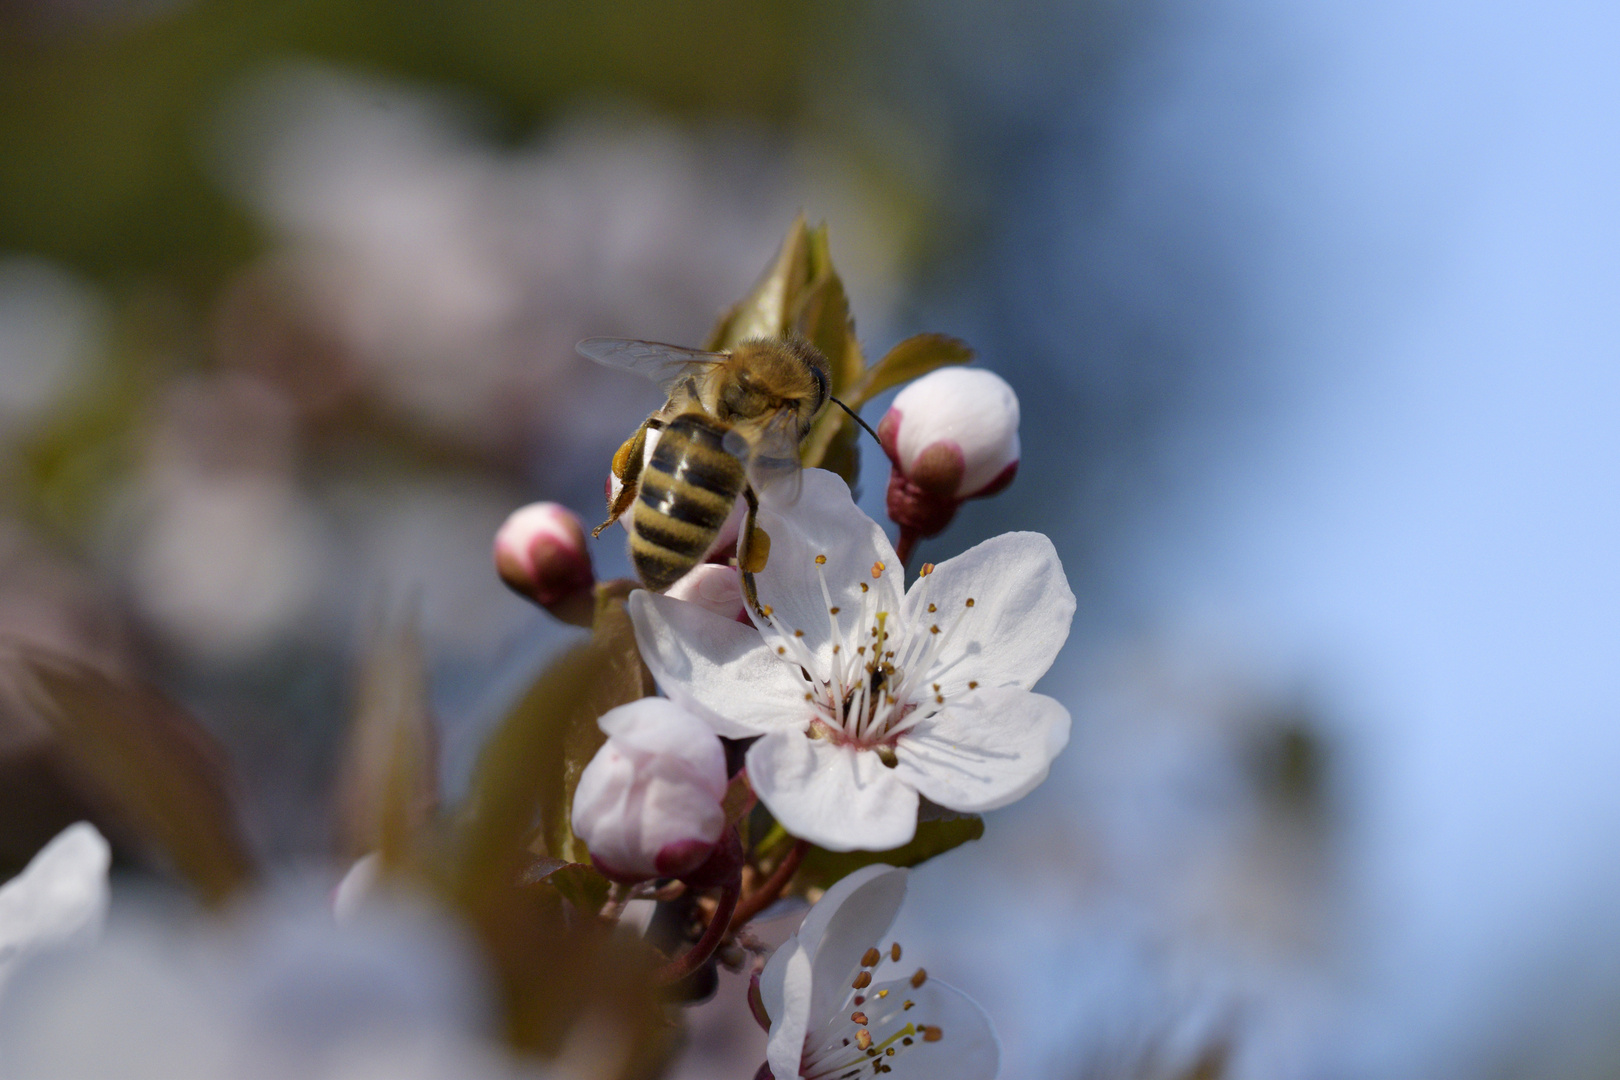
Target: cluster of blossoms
{"points": [[851, 703]]}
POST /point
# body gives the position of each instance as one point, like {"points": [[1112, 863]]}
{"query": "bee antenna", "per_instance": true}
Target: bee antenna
{"points": [[857, 418]]}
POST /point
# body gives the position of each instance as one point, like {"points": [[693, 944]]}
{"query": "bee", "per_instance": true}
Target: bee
{"points": [[731, 426]]}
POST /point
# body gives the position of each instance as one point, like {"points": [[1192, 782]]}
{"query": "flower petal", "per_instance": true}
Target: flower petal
{"points": [[825, 521], [1022, 607], [835, 796], [660, 728], [985, 750], [840, 928], [785, 987], [60, 897], [718, 669], [967, 1049]]}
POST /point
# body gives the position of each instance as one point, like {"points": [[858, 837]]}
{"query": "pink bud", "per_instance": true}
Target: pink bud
{"points": [[713, 587], [540, 553], [951, 435], [648, 804]]}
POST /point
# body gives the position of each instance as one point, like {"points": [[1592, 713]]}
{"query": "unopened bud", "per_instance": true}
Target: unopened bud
{"points": [[714, 588], [952, 435], [649, 803], [540, 553]]}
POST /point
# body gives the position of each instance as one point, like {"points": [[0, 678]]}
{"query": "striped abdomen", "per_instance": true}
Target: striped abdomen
{"points": [[687, 492]]}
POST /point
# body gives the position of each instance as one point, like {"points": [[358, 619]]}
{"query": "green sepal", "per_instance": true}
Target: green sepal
{"points": [[912, 358], [768, 309], [822, 868]]}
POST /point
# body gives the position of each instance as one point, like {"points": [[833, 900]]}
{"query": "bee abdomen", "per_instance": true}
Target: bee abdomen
{"points": [[687, 492]]}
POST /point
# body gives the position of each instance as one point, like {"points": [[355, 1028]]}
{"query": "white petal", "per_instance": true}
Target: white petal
{"points": [[825, 521], [1022, 607], [790, 1018], [840, 798], [662, 729], [968, 1048], [61, 895], [990, 748], [839, 929], [718, 669]]}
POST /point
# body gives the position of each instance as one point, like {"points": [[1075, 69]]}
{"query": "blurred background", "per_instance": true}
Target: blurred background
{"points": [[1313, 314]]}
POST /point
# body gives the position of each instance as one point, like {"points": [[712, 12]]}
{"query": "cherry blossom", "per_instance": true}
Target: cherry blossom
{"points": [[835, 1012], [866, 694], [60, 897], [648, 803]]}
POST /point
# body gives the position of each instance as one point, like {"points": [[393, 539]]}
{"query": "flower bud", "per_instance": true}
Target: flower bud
{"points": [[649, 803], [714, 588], [951, 435], [540, 553]]}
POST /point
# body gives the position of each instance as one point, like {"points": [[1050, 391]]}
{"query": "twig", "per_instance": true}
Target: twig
{"points": [[688, 962], [772, 887]]}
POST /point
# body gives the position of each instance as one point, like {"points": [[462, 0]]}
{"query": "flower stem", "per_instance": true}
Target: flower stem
{"points": [[903, 545], [772, 887], [692, 958]]}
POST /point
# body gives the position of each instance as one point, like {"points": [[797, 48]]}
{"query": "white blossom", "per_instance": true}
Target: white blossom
{"points": [[648, 804], [954, 432], [59, 898], [868, 695], [540, 553], [835, 1011]]}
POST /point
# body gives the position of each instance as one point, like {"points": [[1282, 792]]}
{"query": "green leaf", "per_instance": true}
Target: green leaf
{"points": [[159, 777], [823, 317], [389, 788], [581, 884], [822, 868], [769, 307], [913, 357]]}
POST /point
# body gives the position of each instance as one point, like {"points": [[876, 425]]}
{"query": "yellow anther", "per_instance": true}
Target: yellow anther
{"points": [[973, 685], [932, 608], [833, 610], [767, 611], [863, 1039], [859, 1018], [970, 601], [927, 568], [870, 956], [821, 560], [878, 568], [863, 980]]}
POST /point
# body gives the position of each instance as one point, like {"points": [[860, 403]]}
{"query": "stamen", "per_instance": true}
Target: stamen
{"points": [[973, 685], [927, 568], [871, 957], [859, 1018], [932, 1033], [919, 978], [863, 1039], [970, 601], [864, 979], [821, 560], [877, 569]]}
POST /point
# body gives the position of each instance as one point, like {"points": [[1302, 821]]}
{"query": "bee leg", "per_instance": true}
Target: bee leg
{"points": [[627, 467], [753, 549]]}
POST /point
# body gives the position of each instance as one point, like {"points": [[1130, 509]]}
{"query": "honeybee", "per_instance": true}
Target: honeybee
{"points": [[731, 426]]}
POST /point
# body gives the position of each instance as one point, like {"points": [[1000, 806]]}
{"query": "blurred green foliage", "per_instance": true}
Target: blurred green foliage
{"points": [[102, 121]]}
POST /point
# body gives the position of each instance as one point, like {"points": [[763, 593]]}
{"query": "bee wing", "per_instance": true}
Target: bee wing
{"points": [[665, 365], [769, 451]]}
